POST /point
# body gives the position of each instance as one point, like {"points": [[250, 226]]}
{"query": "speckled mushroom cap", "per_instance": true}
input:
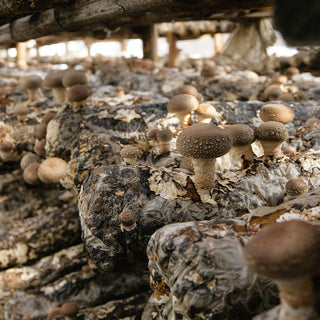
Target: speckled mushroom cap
{"points": [[284, 250], [204, 141], [54, 79], [79, 92], [69, 309], [296, 186], [272, 131], [129, 151], [276, 112], [73, 77], [241, 134], [182, 103], [31, 82], [206, 110]]}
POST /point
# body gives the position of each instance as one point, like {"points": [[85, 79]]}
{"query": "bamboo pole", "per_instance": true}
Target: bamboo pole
{"points": [[21, 58]]}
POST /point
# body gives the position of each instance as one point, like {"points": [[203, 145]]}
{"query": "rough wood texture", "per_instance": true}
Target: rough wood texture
{"points": [[82, 14]]}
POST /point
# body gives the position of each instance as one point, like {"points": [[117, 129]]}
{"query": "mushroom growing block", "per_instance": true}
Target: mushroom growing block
{"points": [[288, 253], [204, 142]]}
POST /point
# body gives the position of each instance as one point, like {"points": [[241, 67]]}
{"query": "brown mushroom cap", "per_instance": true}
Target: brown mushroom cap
{"points": [[204, 141], [272, 131], [276, 112], [51, 170], [206, 110], [129, 151], [153, 134], [284, 250], [73, 77], [182, 103], [127, 218], [241, 134], [272, 92], [291, 71], [31, 82], [189, 89], [6, 146], [296, 186], [29, 158], [54, 80], [30, 173], [48, 116], [164, 135], [40, 130], [279, 79], [54, 312], [21, 110], [79, 92], [69, 309]]}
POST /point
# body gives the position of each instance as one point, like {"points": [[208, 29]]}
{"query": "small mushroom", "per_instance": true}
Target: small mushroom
{"points": [[73, 77], [21, 111], [39, 147], [276, 112], [152, 136], [78, 94], [289, 150], [30, 173], [40, 130], [130, 154], [272, 92], [296, 187], [6, 150], [271, 135], [242, 137], [69, 310], [128, 220], [32, 84], [290, 72], [205, 112], [164, 137], [54, 81], [186, 163], [48, 116], [52, 170], [289, 254], [189, 89], [182, 105], [204, 142], [29, 158], [54, 312], [119, 91]]}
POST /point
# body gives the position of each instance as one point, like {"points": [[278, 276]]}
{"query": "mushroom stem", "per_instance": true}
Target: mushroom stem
{"points": [[164, 147], [33, 94], [59, 94], [271, 148], [202, 119], [204, 170], [185, 119], [237, 152]]}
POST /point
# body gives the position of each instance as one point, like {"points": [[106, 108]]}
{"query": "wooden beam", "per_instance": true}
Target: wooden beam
{"points": [[81, 14]]}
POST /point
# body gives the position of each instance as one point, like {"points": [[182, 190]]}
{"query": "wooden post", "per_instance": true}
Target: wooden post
{"points": [[150, 39], [88, 43], [173, 51], [66, 46], [123, 45], [218, 42], [21, 59]]}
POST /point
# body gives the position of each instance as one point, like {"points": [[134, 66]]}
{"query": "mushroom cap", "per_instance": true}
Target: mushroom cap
{"points": [[30, 173], [153, 134], [129, 151], [79, 92], [272, 92], [279, 79], [296, 186], [276, 112], [272, 131], [291, 71], [54, 79], [48, 116], [40, 130], [204, 141], [51, 170], [29, 158], [21, 110], [206, 110], [6, 146], [182, 103], [164, 135], [189, 89], [284, 250], [69, 309], [54, 312], [31, 82], [127, 218], [73, 77], [241, 134]]}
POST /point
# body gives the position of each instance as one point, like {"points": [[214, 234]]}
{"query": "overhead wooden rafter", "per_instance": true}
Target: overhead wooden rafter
{"points": [[70, 16]]}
